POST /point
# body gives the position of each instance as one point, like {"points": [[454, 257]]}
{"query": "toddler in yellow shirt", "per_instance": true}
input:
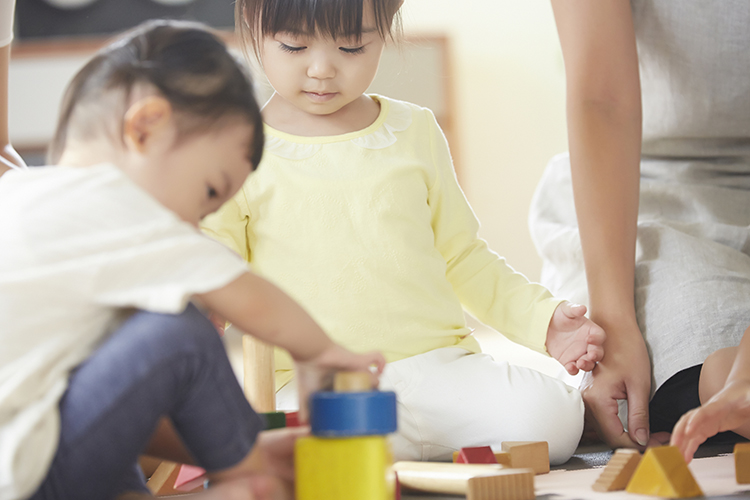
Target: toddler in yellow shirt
{"points": [[356, 213]]}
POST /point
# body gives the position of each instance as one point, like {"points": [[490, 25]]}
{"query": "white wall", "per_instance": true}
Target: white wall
{"points": [[509, 87]]}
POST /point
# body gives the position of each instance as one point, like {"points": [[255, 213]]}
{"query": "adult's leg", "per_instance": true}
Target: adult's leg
{"points": [[449, 398], [154, 365]]}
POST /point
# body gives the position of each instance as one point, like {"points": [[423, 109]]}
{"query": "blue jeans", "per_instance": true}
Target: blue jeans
{"points": [[154, 365]]}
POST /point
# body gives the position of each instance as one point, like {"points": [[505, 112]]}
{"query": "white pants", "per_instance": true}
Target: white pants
{"points": [[449, 398]]}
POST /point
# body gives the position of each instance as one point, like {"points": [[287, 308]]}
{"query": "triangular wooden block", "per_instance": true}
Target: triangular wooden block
{"points": [[663, 472], [618, 471], [476, 455]]}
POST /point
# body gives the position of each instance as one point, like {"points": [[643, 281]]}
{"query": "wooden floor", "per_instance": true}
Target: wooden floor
{"points": [[714, 472]]}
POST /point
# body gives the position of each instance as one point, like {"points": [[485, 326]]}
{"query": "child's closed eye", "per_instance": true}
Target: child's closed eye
{"points": [[290, 48], [353, 50]]}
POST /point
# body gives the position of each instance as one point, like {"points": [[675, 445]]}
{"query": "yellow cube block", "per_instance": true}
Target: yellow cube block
{"points": [[662, 472], [344, 468]]}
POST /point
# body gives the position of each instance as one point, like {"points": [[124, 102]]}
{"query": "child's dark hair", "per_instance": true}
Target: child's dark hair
{"points": [[184, 62], [256, 19]]}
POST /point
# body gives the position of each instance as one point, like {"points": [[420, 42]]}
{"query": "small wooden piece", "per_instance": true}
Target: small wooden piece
{"points": [[161, 482], [528, 454], [663, 472], [618, 471], [510, 484], [352, 382], [476, 455], [476, 481], [742, 463], [260, 387], [189, 478]]}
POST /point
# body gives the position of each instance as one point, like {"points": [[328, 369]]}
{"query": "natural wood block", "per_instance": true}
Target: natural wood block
{"points": [[476, 455], [507, 484], [663, 472], [618, 471], [442, 477], [352, 382], [503, 458], [528, 454], [162, 481], [742, 462]]}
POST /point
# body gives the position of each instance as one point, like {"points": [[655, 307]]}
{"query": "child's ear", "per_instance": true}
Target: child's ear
{"points": [[146, 120]]}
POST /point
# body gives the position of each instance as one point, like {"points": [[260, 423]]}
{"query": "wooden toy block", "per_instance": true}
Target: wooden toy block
{"points": [[274, 420], [292, 419], [476, 481], [663, 472], [352, 382], [503, 458], [528, 454], [742, 462], [190, 478], [618, 471], [161, 482], [476, 455], [509, 484], [344, 468]]}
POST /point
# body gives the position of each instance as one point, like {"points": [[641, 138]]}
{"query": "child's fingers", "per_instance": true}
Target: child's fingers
{"points": [[571, 368], [573, 311]]}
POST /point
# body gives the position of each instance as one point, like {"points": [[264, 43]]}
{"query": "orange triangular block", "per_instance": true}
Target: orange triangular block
{"points": [[663, 472], [618, 471]]}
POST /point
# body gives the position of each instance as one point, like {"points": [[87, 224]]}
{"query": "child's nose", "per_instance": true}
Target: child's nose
{"points": [[321, 68]]}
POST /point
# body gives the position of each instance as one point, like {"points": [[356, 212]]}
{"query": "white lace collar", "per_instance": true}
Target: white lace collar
{"points": [[395, 116]]}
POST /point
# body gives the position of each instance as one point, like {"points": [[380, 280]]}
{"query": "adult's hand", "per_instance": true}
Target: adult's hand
{"points": [[623, 373]]}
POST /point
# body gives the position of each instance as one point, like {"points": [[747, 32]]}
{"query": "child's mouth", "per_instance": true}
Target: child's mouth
{"points": [[320, 96]]}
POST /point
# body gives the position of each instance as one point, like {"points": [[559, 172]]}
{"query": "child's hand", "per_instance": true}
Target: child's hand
{"points": [[727, 410], [573, 339], [218, 322], [317, 374]]}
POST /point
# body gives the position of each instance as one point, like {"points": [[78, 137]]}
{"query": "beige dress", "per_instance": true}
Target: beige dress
{"points": [[692, 278]]}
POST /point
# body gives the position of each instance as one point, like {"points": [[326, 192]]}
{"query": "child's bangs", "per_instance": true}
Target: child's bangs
{"points": [[332, 18]]}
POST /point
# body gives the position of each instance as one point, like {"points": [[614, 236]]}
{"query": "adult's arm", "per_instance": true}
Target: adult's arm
{"points": [[9, 158], [604, 130]]}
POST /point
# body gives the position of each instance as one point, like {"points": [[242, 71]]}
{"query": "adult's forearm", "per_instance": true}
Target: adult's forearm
{"points": [[741, 368], [605, 142]]}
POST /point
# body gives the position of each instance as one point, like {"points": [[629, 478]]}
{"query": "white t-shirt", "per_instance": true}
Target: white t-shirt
{"points": [[77, 245], [6, 21]]}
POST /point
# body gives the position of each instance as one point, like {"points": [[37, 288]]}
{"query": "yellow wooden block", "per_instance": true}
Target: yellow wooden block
{"points": [[343, 469], [528, 454], [618, 471], [663, 472], [742, 462]]}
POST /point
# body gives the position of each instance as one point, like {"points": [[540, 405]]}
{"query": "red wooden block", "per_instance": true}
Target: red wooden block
{"points": [[476, 455], [292, 419], [189, 474]]}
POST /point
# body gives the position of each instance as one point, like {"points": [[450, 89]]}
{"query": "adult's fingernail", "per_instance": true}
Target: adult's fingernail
{"points": [[641, 436]]}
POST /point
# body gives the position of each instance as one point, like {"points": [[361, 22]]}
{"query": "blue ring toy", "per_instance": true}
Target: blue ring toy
{"points": [[346, 414]]}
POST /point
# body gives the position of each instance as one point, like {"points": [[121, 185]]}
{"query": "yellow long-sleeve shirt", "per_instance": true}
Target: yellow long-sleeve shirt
{"points": [[372, 234]]}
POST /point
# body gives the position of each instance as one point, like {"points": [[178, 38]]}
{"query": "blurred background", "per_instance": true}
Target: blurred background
{"points": [[490, 69]]}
